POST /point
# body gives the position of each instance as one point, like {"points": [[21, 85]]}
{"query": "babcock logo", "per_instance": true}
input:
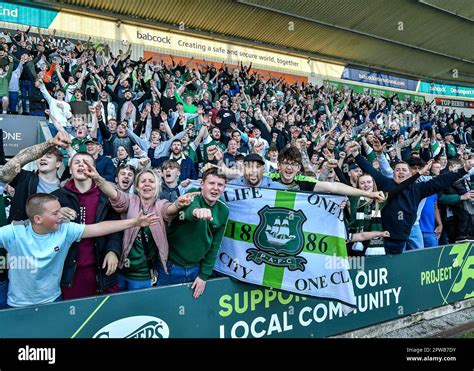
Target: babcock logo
{"points": [[156, 38], [137, 327]]}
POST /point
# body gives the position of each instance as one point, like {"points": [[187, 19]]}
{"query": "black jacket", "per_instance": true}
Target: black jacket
{"points": [[104, 244], [25, 184], [399, 215]]}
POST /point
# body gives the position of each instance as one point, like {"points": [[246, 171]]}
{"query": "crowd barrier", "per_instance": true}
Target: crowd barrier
{"points": [[386, 288]]}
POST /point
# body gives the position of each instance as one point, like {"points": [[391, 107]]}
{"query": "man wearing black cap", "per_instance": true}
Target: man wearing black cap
{"points": [[127, 106], [354, 173], [254, 167]]}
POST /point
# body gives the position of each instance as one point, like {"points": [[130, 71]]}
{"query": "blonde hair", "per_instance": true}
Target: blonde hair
{"points": [[157, 181]]}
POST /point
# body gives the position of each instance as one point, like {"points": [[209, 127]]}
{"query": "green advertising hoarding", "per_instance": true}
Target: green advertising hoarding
{"points": [[375, 91], [387, 287]]}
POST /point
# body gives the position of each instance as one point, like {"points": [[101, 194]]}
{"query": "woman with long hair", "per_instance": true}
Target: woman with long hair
{"points": [[365, 216], [141, 246]]}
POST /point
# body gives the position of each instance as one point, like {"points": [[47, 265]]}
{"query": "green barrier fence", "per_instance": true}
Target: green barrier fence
{"points": [[386, 287]]}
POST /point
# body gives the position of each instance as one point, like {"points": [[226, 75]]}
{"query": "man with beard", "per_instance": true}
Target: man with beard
{"points": [[90, 265], [187, 169], [213, 140], [254, 167], [128, 106]]}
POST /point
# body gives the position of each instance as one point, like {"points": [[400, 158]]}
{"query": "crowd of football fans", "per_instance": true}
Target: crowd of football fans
{"points": [[141, 130]]}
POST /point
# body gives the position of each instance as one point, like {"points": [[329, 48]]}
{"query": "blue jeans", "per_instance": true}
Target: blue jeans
{"points": [[429, 239], [394, 246], [13, 101], [127, 284], [176, 274], [25, 86], [3, 293], [415, 240], [443, 239]]}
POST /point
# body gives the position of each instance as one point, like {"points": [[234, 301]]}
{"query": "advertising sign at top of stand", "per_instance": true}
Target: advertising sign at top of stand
{"points": [[375, 78]]}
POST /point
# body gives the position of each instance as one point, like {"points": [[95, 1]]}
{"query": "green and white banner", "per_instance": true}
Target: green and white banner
{"points": [[287, 240]]}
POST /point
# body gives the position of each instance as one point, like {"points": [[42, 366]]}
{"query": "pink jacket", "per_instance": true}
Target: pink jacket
{"points": [[129, 207]]}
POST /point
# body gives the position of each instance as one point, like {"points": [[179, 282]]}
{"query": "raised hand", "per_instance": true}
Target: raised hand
{"points": [[426, 168], [61, 139], [208, 166], [144, 114], [332, 163], [186, 199], [328, 155], [90, 171], [378, 147], [144, 161], [219, 155], [353, 149], [98, 109]]}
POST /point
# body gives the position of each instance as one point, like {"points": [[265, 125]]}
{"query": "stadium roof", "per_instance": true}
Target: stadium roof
{"points": [[426, 38]]}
